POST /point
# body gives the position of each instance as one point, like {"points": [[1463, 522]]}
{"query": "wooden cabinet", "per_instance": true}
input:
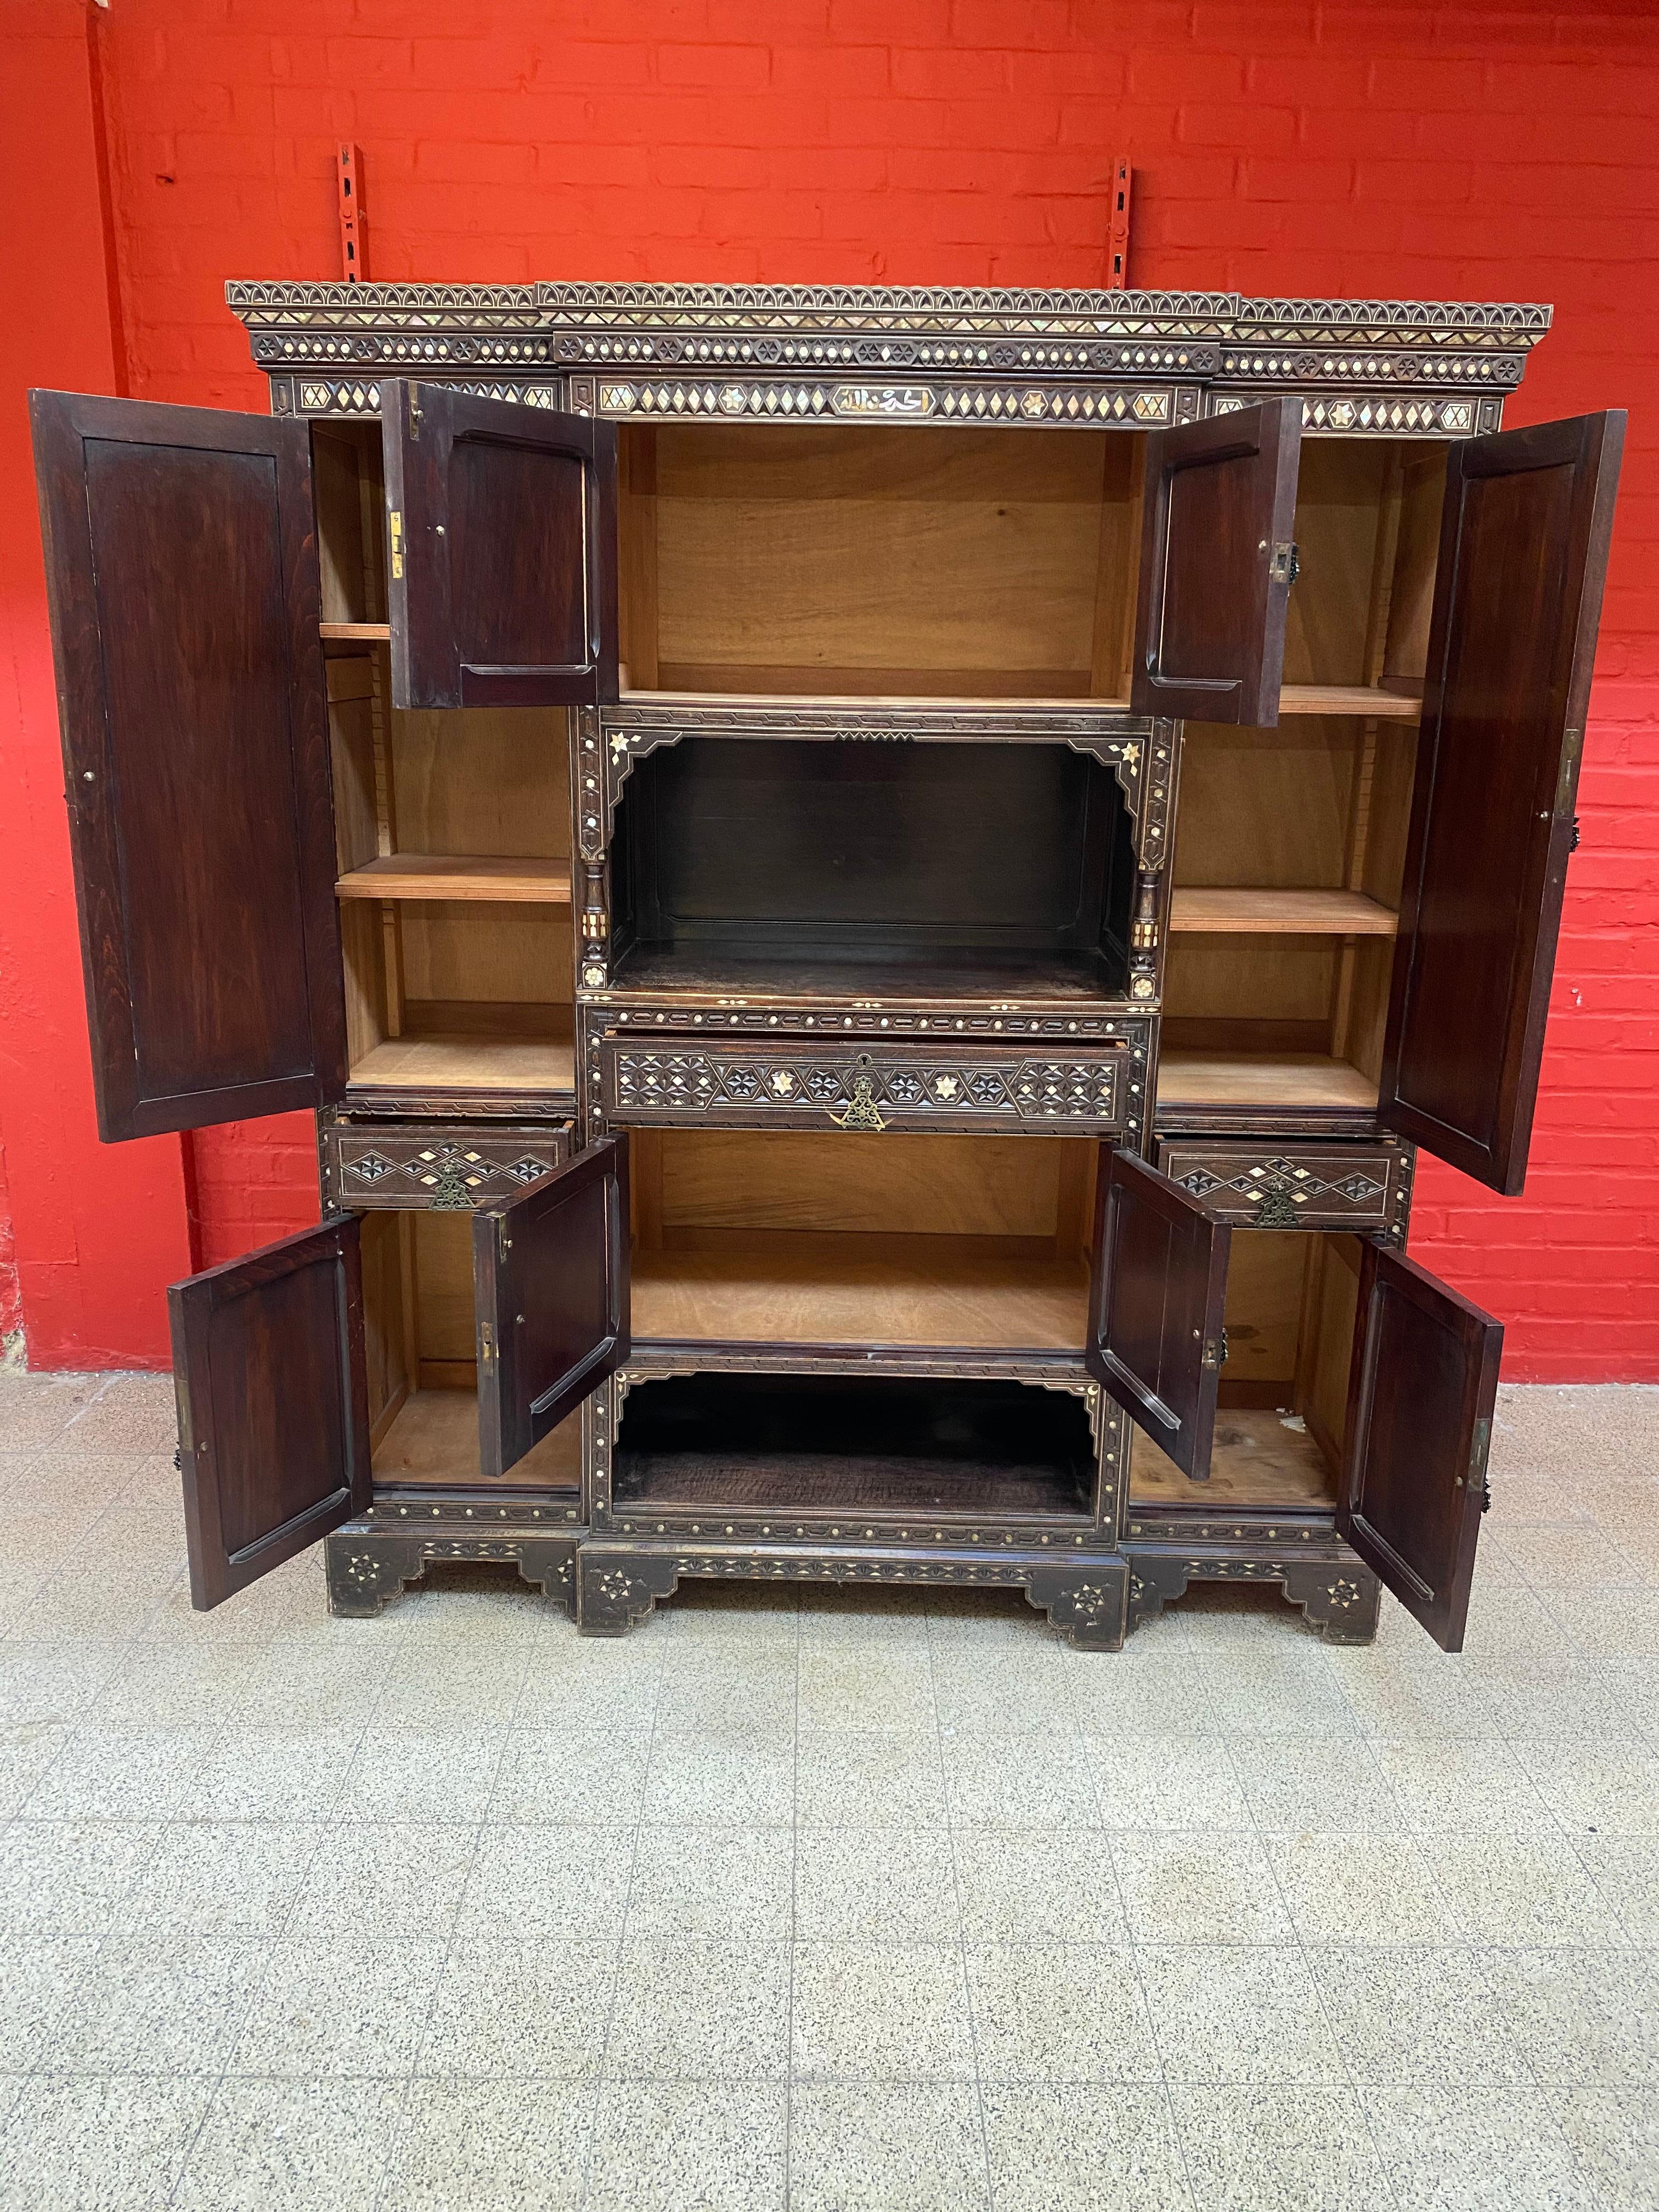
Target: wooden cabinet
{"points": [[875, 893]]}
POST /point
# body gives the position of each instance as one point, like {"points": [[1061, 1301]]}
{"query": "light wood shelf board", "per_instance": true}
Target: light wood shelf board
{"points": [[1279, 913], [1290, 1079], [433, 1438], [1070, 703], [441, 1062], [355, 632], [1295, 699], [1349, 699], [1257, 1461], [793, 1288], [446, 876]]}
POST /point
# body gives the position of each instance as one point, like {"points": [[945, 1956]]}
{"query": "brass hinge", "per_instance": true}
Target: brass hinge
{"points": [[395, 521], [414, 414], [1479, 1447], [1215, 1351], [1572, 743], [1285, 566], [487, 1343]]}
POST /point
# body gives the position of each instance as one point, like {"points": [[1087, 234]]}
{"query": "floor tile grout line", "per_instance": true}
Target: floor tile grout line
{"points": [[600, 2076], [790, 1955], [453, 1931], [972, 2019], [1264, 1842]]}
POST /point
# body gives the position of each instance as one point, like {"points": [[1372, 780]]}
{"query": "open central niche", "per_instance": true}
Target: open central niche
{"points": [[905, 1444], [907, 867], [909, 559]]}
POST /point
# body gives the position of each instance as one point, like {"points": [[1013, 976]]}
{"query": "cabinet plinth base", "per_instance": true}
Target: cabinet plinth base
{"points": [[1337, 1592], [368, 1563], [1085, 1597]]}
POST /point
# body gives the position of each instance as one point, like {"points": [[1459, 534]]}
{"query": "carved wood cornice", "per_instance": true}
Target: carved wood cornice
{"points": [[873, 352]]}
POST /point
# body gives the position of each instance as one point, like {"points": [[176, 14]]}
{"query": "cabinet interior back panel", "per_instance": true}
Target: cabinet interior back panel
{"points": [[1292, 1304], [1266, 808], [924, 1240], [1366, 532], [926, 560], [946, 1185], [487, 781]]}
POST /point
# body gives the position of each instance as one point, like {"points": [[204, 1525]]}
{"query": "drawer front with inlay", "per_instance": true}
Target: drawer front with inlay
{"points": [[798, 1082], [1300, 1186], [400, 1166]]}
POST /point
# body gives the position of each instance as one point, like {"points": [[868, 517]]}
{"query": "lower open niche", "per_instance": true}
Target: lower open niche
{"points": [[806, 1443], [419, 1331], [1292, 1300], [977, 1242]]}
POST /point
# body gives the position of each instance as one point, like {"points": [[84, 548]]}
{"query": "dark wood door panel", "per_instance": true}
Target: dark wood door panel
{"points": [[1420, 1397], [268, 1363], [1216, 566], [181, 566], [504, 535], [551, 1284], [1524, 549], [797, 1082], [1157, 1298]]}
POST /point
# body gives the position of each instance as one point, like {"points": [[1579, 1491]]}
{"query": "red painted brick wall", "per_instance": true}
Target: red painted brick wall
{"points": [[89, 1233], [1411, 150]]}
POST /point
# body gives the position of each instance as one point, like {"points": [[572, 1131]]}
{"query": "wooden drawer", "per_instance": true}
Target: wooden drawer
{"points": [[796, 1082], [403, 1166], [1262, 1185]]}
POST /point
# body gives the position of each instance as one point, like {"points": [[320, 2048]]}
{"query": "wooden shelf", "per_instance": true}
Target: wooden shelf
{"points": [[355, 633], [453, 1060], [433, 1438], [1256, 1461], [1290, 1079], [977, 690], [459, 876], [798, 1287], [1280, 913], [1349, 699], [733, 1479]]}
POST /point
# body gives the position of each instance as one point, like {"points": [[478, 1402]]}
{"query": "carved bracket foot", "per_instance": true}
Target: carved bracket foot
{"points": [[366, 1570], [1340, 1601], [1154, 1581], [367, 1566], [1338, 1594], [616, 1589], [1088, 1604]]}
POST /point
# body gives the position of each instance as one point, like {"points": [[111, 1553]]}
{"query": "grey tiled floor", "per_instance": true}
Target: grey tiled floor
{"points": [[840, 1902]]}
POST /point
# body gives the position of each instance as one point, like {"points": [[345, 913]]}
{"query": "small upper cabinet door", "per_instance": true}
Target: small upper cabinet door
{"points": [[181, 569], [1156, 1304], [1420, 1398], [1216, 566], [551, 1280], [269, 1364], [1517, 597], [502, 523]]}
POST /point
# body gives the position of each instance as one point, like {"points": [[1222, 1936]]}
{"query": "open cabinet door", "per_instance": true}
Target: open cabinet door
{"points": [[1217, 563], [502, 527], [1517, 597], [181, 573], [551, 1279], [1420, 1398], [1155, 1302], [268, 1365]]}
